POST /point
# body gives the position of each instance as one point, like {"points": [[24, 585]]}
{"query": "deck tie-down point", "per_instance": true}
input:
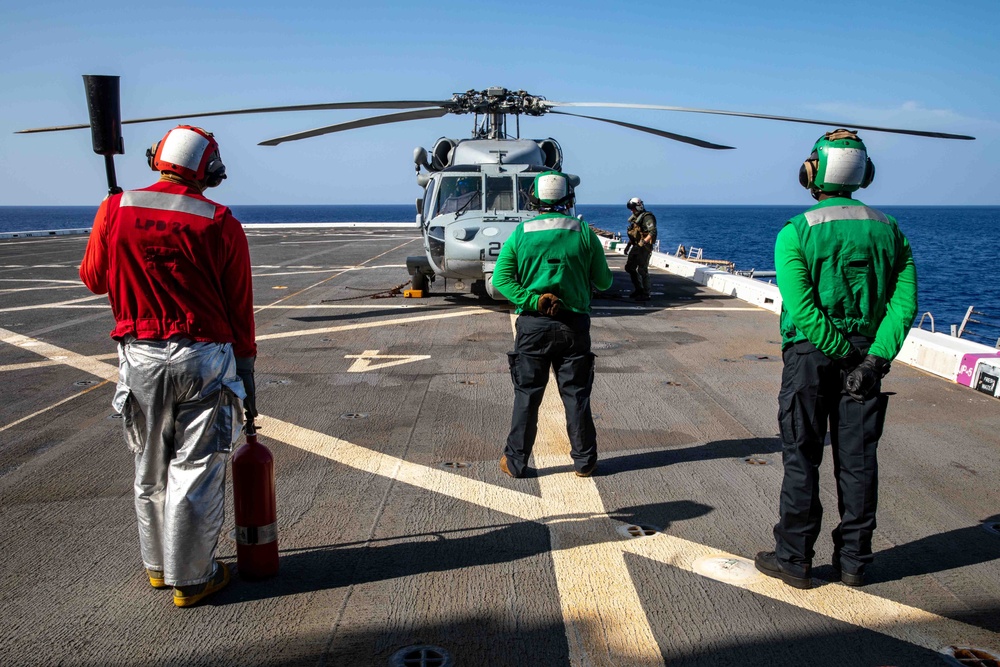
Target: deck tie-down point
{"points": [[635, 532], [421, 656], [969, 656]]}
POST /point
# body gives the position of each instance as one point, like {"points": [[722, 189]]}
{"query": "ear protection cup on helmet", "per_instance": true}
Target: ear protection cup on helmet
{"points": [[151, 156], [807, 172], [869, 173], [215, 171]]}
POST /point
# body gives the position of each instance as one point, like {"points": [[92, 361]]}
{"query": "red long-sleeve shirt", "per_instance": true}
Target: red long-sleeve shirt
{"points": [[172, 262]]}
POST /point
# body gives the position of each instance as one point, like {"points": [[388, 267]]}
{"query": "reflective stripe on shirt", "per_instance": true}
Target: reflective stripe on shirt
{"points": [[164, 201], [830, 213], [543, 224]]}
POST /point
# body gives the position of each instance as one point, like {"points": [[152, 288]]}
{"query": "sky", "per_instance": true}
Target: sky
{"points": [[909, 64]]}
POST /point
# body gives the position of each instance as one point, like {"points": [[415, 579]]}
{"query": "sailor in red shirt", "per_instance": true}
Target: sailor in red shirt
{"points": [[176, 268]]}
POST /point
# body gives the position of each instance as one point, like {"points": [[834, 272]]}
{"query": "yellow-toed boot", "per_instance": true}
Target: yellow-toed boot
{"points": [[156, 578], [186, 596]]}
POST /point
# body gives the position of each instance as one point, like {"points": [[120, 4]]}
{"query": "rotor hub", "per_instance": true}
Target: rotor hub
{"points": [[498, 101]]}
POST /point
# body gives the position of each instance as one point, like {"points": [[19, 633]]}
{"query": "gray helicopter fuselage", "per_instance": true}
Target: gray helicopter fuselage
{"points": [[474, 200]]}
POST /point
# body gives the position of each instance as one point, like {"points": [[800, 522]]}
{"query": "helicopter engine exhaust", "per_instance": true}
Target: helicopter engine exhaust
{"points": [[442, 153], [552, 152]]}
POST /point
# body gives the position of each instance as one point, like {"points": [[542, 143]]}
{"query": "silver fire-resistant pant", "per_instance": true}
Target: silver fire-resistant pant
{"points": [[181, 403]]}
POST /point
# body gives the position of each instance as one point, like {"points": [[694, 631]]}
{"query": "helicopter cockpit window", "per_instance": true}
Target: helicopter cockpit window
{"points": [[458, 194], [499, 193], [428, 199], [524, 185]]}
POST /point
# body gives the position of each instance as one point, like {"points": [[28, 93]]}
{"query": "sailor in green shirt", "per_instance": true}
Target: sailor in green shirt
{"points": [[546, 269], [849, 295]]}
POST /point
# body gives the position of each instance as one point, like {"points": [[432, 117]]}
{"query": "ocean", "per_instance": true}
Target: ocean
{"points": [[954, 247]]}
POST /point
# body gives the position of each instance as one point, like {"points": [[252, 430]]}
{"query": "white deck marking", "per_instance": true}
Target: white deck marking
{"points": [[371, 259], [76, 283], [11, 290], [74, 303], [373, 325], [54, 361], [364, 360], [836, 601], [362, 306], [52, 353], [54, 405], [351, 239], [609, 629], [318, 269], [496, 498], [675, 308]]}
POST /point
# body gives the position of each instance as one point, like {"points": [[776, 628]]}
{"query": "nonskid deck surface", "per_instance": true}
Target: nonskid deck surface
{"points": [[387, 416]]}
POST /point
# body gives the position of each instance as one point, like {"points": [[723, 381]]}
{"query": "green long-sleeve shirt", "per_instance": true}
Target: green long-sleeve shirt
{"points": [[552, 253], [844, 268]]}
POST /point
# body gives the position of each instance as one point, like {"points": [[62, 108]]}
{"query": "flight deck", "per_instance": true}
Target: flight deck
{"points": [[402, 543]]}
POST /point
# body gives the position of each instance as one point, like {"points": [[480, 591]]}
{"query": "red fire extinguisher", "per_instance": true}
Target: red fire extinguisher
{"points": [[255, 509]]}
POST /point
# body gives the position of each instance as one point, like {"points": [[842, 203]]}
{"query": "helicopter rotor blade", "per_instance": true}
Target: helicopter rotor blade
{"points": [[619, 105], [331, 106], [660, 133], [355, 124]]}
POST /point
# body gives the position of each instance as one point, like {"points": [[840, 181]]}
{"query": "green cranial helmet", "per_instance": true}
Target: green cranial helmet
{"points": [[838, 163], [551, 189]]}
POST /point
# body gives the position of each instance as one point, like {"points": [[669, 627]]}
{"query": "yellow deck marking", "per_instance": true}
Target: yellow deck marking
{"points": [[363, 361], [600, 608]]}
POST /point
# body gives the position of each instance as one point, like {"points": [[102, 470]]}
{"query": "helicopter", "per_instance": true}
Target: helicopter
{"points": [[476, 190]]}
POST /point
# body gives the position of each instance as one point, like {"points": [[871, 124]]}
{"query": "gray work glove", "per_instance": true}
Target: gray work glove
{"points": [[548, 304], [860, 382], [244, 368]]}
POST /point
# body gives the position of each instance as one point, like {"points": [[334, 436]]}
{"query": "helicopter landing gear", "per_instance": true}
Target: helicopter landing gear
{"points": [[419, 281], [420, 272], [478, 288]]}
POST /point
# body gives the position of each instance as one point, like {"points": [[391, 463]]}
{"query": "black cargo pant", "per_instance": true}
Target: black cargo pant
{"points": [[637, 266], [811, 395], [563, 344]]}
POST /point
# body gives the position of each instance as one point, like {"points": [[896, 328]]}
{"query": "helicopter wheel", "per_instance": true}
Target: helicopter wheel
{"points": [[478, 288], [419, 281]]}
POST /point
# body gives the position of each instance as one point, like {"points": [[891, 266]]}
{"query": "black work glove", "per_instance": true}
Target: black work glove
{"points": [[244, 368], [860, 383], [548, 304], [852, 360]]}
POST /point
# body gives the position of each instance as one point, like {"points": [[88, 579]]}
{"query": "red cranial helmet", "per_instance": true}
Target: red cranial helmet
{"points": [[191, 153]]}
